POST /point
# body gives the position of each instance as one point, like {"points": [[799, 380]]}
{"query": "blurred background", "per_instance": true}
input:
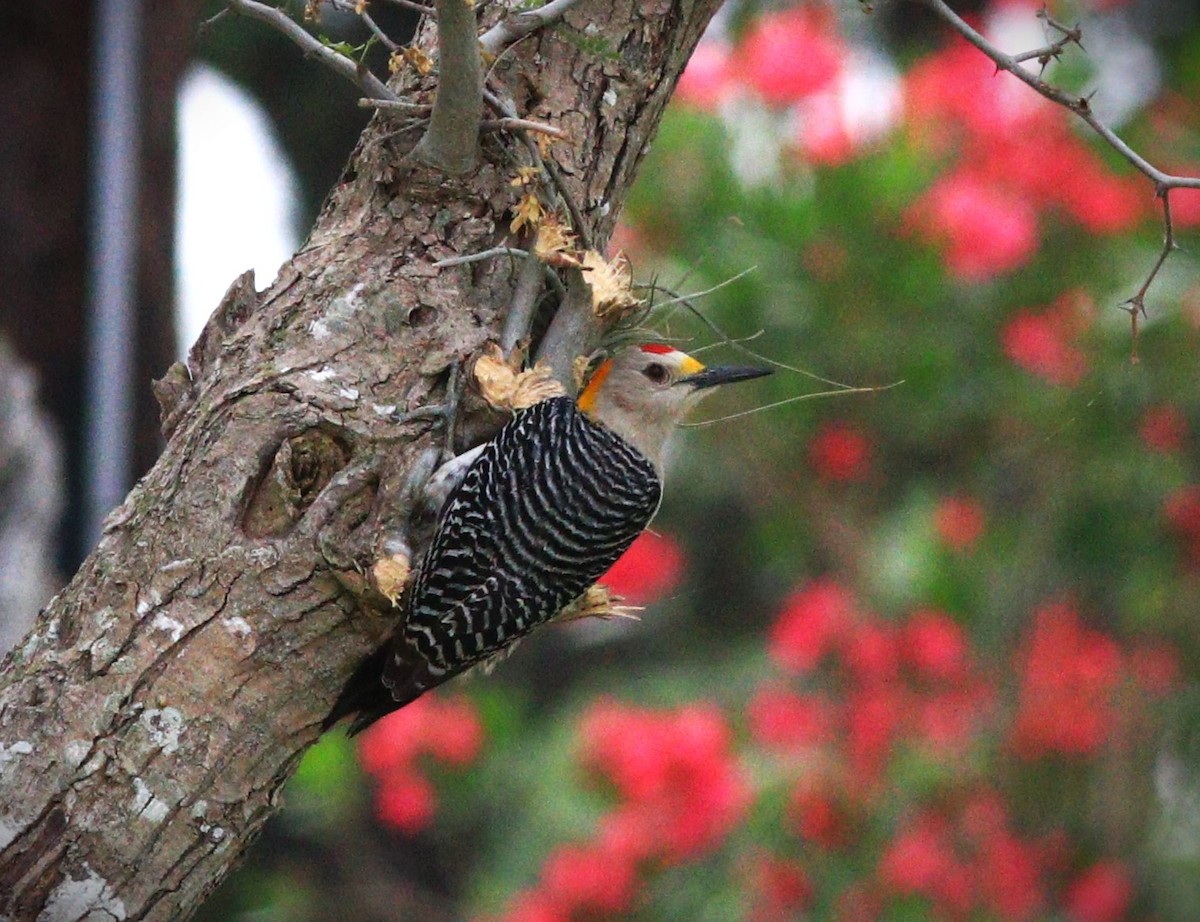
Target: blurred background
{"points": [[928, 652]]}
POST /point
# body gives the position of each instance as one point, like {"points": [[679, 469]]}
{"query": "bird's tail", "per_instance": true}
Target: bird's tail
{"points": [[386, 681]]}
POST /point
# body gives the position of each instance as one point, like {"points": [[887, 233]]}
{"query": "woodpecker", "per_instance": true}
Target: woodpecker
{"points": [[542, 511]]}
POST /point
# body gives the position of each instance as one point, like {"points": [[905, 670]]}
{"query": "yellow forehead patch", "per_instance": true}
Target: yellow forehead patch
{"points": [[689, 366]]}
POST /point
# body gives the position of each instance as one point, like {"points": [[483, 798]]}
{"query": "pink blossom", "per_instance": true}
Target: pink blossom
{"points": [[708, 78], [789, 55], [982, 230]]}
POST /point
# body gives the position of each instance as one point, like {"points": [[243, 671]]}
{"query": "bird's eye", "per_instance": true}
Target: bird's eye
{"points": [[655, 372]]}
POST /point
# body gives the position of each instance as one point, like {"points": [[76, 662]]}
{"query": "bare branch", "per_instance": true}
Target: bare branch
{"points": [[395, 105], [512, 29], [1053, 51], [277, 19], [1077, 104], [451, 143], [1136, 306], [1163, 182], [574, 322], [530, 282], [480, 256], [523, 124]]}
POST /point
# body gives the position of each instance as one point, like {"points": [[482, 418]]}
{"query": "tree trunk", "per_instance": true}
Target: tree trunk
{"points": [[165, 695]]}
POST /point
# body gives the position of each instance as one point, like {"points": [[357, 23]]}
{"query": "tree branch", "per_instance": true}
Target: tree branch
{"points": [[361, 12], [451, 142], [512, 29], [277, 19]]}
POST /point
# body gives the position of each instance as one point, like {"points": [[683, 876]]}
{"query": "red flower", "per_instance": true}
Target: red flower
{"points": [[1040, 344], [958, 89], [840, 452], [874, 718], [817, 817], [673, 769], [787, 720], [630, 830], [1068, 676], [1101, 894], [1011, 878], [813, 622], [824, 136], [921, 861], [708, 78], [452, 732], [959, 521], [652, 567], [1163, 429], [935, 646], [783, 889], [872, 653], [534, 906], [590, 879], [789, 55], [1182, 511], [948, 720], [446, 729], [405, 801]]}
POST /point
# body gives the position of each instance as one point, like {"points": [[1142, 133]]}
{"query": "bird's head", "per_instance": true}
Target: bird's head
{"points": [[643, 392]]}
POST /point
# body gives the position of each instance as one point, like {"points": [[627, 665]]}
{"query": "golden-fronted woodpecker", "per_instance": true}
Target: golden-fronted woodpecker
{"points": [[543, 510]]}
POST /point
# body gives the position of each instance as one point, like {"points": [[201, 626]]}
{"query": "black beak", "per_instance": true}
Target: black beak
{"points": [[723, 374]]}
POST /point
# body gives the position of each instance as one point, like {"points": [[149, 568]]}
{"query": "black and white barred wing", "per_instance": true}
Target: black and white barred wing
{"points": [[547, 507]]}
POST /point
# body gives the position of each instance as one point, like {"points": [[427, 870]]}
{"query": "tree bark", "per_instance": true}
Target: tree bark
{"points": [[164, 696]]}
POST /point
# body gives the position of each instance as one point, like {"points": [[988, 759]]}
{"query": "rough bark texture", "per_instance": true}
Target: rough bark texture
{"points": [[162, 699]]}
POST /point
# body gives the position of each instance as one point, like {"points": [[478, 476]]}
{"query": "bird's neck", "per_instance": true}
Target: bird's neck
{"points": [[648, 435]]}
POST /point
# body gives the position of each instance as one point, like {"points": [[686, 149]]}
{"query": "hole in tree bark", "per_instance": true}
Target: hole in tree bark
{"points": [[302, 466]]}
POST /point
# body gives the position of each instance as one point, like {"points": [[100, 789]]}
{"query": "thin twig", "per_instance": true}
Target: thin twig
{"points": [[837, 392], [422, 8], [214, 19], [514, 28], [580, 229], [523, 124], [736, 343], [688, 298], [277, 19], [361, 12], [547, 167], [1054, 50], [1136, 306], [480, 256], [394, 104]]}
